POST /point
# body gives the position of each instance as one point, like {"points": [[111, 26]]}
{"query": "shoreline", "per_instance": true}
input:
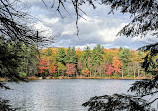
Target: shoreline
{"points": [[108, 78], [64, 77]]}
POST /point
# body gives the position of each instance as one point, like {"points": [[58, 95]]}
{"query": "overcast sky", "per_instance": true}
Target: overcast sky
{"points": [[98, 28]]}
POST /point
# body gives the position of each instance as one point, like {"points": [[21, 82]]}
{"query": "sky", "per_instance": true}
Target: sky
{"points": [[98, 28]]}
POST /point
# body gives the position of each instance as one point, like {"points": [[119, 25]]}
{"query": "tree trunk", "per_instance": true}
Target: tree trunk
{"points": [[58, 73], [138, 71], [76, 74], [134, 70], [100, 71], [134, 73], [144, 73], [90, 71], [122, 73], [95, 72], [128, 69]]}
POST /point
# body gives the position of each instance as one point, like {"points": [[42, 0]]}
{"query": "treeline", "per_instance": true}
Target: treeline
{"points": [[99, 62]]}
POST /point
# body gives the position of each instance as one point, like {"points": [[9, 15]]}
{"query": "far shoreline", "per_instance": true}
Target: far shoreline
{"points": [[108, 78], [64, 77]]}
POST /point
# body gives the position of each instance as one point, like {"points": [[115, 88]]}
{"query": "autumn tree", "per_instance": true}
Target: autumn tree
{"points": [[117, 64], [78, 53], [86, 72], [52, 69], [48, 52], [108, 69], [109, 54], [53, 58], [70, 69], [43, 67], [79, 66]]}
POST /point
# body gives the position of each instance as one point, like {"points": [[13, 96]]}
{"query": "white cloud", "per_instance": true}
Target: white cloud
{"points": [[69, 29], [30, 1], [45, 31], [93, 30], [98, 28], [50, 20]]}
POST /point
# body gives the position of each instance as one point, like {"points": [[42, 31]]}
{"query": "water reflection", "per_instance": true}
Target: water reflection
{"points": [[60, 95]]}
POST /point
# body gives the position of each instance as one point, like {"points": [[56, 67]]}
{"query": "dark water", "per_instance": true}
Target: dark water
{"points": [[60, 95]]}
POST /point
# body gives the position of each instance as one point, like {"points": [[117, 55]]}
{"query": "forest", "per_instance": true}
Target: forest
{"points": [[74, 62], [98, 62]]}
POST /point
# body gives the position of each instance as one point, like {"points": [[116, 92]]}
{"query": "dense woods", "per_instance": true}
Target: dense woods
{"points": [[98, 62], [74, 62]]}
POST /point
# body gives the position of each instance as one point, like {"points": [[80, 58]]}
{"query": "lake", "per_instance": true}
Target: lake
{"points": [[60, 95]]}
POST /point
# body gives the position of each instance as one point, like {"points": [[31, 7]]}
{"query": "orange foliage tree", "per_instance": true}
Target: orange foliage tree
{"points": [[117, 64], [86, 72], [52, 69]]}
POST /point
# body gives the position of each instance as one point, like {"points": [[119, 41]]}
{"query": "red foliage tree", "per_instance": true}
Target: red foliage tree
{"points": [[43, 66], [86, 72], [117, 64], [52, 69], [70, 68], [108, 69]]}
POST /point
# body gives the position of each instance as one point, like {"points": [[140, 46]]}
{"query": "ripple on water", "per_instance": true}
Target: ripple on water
{"points": [[60, 95]]}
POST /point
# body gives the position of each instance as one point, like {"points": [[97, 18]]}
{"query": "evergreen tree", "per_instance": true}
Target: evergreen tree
{"points": [[61, 56], [97, 55], [124, 56], [73, 57], [86, 56], [61, 67], [68, 55], [97, 59]]}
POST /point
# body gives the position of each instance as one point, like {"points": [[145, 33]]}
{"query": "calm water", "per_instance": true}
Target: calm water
{"points": [[60, 95]]}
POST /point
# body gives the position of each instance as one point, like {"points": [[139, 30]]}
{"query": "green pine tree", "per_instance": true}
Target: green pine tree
{"points": [[68, 55], [73, 57], [61, 56], [124, 56]]}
